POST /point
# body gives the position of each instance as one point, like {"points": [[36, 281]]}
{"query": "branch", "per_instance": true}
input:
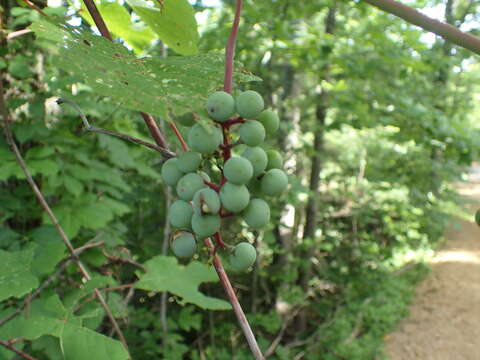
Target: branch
{"points": [[232, 297], [230, 50], [17, 351], [97, 19], [165, 152], [18, 33], [446, 31], [41, 199]]}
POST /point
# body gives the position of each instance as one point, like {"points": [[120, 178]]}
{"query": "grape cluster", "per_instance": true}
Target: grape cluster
{"points": [[242, 178]]}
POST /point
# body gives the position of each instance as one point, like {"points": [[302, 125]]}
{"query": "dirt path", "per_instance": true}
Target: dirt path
{"points": [[444, 320]]}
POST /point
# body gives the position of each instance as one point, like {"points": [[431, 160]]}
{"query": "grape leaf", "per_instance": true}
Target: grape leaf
{"points": [[165, 274], [174, 22], [161, 87], [16, 278]]}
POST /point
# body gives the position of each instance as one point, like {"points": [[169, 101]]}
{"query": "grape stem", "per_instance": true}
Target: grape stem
{"points": [[227, 124], [178, 135], [230, 49], [212, 185], [232, 297]]}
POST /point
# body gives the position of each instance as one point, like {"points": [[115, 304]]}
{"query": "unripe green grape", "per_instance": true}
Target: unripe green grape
{"points": [[204, 141], [170, 172], [205, 225], [188, 185], [252, 133], [189, 161], [274, 182], [269, 120], [234, 197], [187, 119], [477, 217], [238, 170], [180, 214], [243, 256], [257, 157], [220, 106], [206, 201], [275, 160], [184, 245], [249, 104], [257, 213]]}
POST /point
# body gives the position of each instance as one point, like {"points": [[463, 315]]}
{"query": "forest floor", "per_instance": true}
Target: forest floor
{"points": [[444, 318]]}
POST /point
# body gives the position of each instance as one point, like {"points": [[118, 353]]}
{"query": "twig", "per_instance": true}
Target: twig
{"points": [[178, 135], [232, 297], [165, 152], [230, 50], [278, 338], [154, 130], [14, 34], [446, 31], [36, 8], [97, 19], [51, 215], [17, 351]]}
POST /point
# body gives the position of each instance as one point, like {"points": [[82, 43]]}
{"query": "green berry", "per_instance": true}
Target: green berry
{"points": [[204, 140], [206, 201], [184, 245], [269, 120], [257, 213], [205, 225], [220, 106], [188, 185], [170, 172], [274, 182], [243, 256], [252, 133], [180, 214], [238, 170], [234, 198], [257, 157], [189, 161], [249, 104]]}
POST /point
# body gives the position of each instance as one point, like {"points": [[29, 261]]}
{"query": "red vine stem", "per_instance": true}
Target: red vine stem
{"points": [[17, 351], [230, 50], [178, 135], [232, 297]]}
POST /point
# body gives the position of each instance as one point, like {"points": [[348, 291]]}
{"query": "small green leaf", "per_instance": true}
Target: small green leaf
{"points": [[16, 278], [165, 274], [174, 22], [73, 185]]}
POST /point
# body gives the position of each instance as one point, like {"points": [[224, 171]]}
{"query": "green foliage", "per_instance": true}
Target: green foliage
{"points": [[156, 86], [390, 115], [49, 317], [165, 274], [173, 21]]}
